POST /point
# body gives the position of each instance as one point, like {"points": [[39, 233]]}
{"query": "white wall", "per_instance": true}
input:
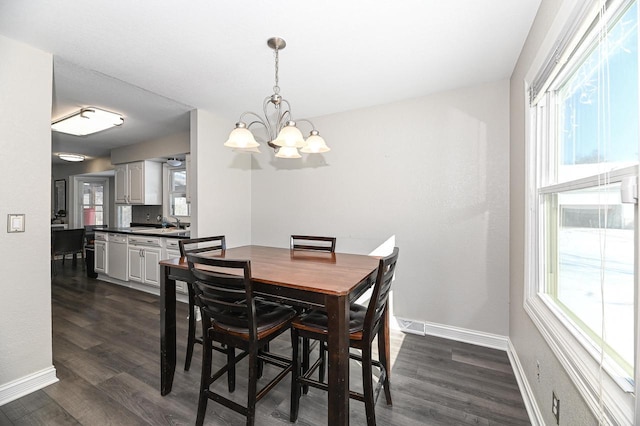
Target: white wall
{"points": [[25, 288], [221, 182], [527, 341], [431, 172]]}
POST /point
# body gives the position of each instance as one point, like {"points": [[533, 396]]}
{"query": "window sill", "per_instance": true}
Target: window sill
{"points": [[581, 366]]}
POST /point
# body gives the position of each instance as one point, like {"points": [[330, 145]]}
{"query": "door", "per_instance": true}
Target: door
{"points": [[100, 257], [151, 259], [121, 183], [135, 264], [136, 183]]}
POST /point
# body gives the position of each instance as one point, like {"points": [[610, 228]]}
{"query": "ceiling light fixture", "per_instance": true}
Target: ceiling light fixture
{"points": [[71, 157], [87, 121], [174, 162], [283, 134]]}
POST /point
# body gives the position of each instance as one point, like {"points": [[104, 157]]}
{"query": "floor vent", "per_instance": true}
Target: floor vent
{"points": [[411, 326]]}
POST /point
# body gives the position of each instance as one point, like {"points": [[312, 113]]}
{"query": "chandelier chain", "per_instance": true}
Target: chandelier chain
{"points": [[276, 88]]}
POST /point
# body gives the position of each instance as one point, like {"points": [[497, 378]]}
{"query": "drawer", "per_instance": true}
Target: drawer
{"points": [[145, 241], [172, 244]]}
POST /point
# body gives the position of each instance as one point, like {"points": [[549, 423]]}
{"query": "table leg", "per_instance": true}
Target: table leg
{"points": [[167, 330], [338, 357]]}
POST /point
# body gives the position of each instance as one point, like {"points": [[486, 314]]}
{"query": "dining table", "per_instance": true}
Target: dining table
{"points": [[303, 278]]}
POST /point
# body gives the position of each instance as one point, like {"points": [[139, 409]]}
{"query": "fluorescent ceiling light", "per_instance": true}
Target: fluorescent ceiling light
{"points": [[87, 121], [71, 157]]}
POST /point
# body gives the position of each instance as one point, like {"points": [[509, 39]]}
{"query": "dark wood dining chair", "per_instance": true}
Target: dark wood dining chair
{"points": [[233, 317], [364, 325], [317, 244], [67, 241], [195, 246], [311, 242]]}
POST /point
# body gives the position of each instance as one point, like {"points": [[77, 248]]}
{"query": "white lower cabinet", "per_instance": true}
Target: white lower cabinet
{"points": [[173, 251], [100, 254], [144, 255]]}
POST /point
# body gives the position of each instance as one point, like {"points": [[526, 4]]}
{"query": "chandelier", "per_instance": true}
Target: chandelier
{"points": [[283, 134]]}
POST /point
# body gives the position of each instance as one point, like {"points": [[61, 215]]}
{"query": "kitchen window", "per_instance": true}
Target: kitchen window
{"points": [[178, 205], [583, 151]]}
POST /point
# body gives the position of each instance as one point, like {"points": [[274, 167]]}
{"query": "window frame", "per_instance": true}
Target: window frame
{"points": [[571, 350], [78, 211], [167, 190]]}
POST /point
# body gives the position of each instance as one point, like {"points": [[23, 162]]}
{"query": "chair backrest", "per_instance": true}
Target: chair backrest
{"points": [[67, 241], [310, 242], [380, 296], [223, 291], [201, 245]]}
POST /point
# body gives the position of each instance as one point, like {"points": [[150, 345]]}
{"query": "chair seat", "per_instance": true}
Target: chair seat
{"points": [[318, 321], [269, 317]]}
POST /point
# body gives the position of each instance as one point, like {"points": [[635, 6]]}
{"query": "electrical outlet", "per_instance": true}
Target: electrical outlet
{"points": [[538, 370], [555, 407]]}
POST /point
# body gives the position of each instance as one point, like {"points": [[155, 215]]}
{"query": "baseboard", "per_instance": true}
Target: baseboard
{"points": [[474, 337], [535, 415], [26, 385]]}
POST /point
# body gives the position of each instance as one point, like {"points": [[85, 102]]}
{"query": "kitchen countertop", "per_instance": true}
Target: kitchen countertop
{"points": [[150, 232]]}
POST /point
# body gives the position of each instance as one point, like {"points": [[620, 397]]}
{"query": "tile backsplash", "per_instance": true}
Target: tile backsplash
{"points": [[148, 214]]}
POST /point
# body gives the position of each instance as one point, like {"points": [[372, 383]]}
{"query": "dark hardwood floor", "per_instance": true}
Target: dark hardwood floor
{"points": [[106, 341]]}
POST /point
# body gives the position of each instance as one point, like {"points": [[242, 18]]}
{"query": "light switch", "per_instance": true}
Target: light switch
{"points": [[15, 223]]}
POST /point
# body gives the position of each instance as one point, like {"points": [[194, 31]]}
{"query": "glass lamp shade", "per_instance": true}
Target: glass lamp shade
{"points": [[315, 144], [288, 152], [247, 150], [290, 136], [241, 137]]}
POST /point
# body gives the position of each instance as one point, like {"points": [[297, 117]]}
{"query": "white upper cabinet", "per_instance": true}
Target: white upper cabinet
{"points": [[139, 183]]}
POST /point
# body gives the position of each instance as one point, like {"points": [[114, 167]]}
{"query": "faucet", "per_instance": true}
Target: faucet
{"points": [[177, 222]]}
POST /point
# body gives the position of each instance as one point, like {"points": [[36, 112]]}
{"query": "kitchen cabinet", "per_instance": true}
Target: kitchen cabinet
{"points": [[173, 251], [144, 255], [139, 183], [100, 256]]}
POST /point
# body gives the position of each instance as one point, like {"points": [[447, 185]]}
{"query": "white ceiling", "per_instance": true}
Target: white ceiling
{"points": [[154, 60]]}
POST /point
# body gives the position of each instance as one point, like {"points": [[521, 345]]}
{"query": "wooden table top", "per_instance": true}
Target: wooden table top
{"points": [[326, 273]]}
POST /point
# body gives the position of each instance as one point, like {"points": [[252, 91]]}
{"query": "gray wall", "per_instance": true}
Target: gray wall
{"points": [[529, 344], [25, 301], [221, 188], [430, 172], [168, 146]]}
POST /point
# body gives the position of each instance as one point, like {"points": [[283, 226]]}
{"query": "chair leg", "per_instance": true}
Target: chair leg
{"points": [[323, 356], [231, 372], [265, 348], [305, 361], [205, 378], [253, 387], [191, 336], [367, 384], [295, 373], [382, 353]]}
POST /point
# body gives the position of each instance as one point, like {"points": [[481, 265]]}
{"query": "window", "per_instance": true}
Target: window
{"points": [[92, 193], [584, 145], [178, 205]]}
